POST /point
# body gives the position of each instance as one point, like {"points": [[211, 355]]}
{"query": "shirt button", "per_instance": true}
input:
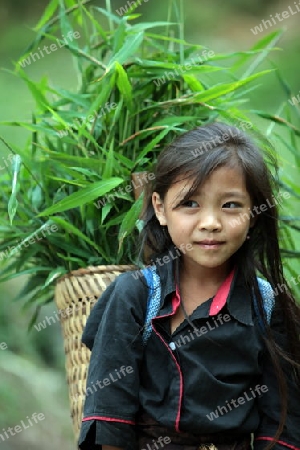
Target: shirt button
{"points": [[172, 345]]}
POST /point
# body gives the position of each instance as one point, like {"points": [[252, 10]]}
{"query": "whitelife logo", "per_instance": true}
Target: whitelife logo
{"points": [[53, 47], [162, 441], [140, 181], [238, 401], [119, 374], [295, 100], [219, 140], [279, 18], [36, 417], [165, 259], [29, 241], [258, 209], [129, 6], [190, 336], [65, 312]]}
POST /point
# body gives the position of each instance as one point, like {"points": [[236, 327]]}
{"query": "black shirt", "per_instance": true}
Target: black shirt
{"points": [[216, 377]]}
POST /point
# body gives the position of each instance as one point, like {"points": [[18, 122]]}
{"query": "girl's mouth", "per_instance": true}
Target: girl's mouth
{"points": [[210, 244]]}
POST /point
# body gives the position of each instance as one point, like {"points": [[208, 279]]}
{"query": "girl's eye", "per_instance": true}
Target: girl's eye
{"points": [[190, 204], [231, 205]]}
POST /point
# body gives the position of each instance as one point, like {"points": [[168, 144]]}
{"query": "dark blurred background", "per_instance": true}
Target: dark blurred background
{"points": [[32, 367]]}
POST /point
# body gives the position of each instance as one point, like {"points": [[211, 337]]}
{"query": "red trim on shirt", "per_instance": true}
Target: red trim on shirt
{"points": [[219, 300], [175, 300], [108, 419], [266, 438], [175, 305], [180, 378]]}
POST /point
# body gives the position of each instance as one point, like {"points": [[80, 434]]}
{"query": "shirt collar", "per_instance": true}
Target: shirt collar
{"points": [[220, 299], [233, 292]]}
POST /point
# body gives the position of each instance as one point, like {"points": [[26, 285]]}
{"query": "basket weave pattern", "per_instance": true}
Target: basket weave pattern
{"points": [[75, 295]]}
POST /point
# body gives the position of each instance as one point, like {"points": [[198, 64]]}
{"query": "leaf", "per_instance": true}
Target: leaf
{"points": [[105, 211], [291, 148], [32, 127], [95, 23], [48, 13], [13, 202], [113, 17], [69, 247], [82, 100], [226, 88], [110, 162], [119, 35], [102, 94], [34, 236], [73, 230], [37, 93], [66, 28], [173, 121], [277, 119], [194, 84], [66, 181], [124, 85], [128, 163], [53, 275], [263, 46], [70, 159], [79, 262], [36, 197], [266, 44], [31, 271], [87, 172], [130, 219], [152, 144], [267, 41], [146, 25], [34, 318], [83, 196], [131, 44]]}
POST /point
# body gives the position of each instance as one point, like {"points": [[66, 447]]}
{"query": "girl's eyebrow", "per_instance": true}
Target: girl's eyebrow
{"points": [[234, 194], [222, 195]]}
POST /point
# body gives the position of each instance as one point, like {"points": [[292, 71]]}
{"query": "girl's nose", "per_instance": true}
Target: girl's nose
{"points": [[209, 221]]}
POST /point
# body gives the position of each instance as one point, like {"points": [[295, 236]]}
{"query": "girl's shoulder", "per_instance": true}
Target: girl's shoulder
{"points": [[125, 299], [131, 281]]}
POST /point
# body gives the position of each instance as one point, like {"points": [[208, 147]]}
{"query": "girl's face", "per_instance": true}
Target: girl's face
{"points": [[215, 221]]}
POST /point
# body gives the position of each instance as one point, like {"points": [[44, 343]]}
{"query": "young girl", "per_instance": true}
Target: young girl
{"points": [[222, 362]]}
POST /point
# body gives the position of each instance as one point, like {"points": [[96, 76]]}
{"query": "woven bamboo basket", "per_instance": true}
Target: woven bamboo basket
{"points": [[75, 295]]}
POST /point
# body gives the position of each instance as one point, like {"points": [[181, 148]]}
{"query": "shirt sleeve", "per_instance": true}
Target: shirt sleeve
{"points": [[269, 402], [112, 388]]}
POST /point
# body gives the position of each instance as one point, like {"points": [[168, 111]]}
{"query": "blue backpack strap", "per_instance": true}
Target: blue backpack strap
{"points": [[153, 302], [268, 299]]}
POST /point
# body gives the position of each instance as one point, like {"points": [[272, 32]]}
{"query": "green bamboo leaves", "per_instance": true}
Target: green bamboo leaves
{"points": [[13, 202], [83, 196], [129, 221], [130, 47]]}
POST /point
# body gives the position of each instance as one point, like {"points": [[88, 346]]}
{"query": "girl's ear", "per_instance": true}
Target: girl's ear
{"points": [[253, 221], [159, 209]]}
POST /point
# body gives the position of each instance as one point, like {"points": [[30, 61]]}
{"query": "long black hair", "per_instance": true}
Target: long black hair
{"points": [[195, 155]]}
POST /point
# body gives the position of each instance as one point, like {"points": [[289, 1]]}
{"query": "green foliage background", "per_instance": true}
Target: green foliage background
{"points": [[222, 27]]}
